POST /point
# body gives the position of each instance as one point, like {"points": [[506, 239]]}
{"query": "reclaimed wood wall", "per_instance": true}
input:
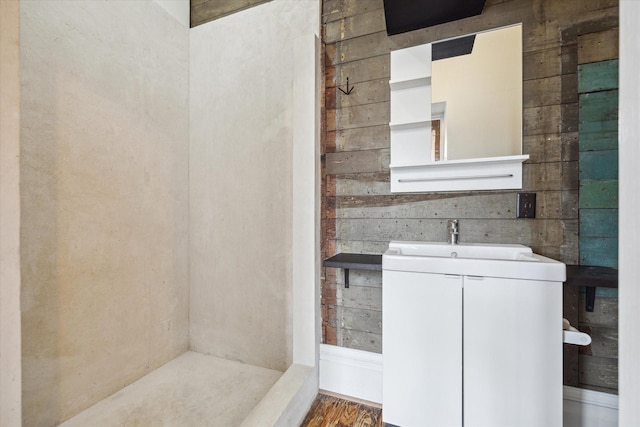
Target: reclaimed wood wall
{"points": [[203, 11], [360, 215], [598, 148], [598, 88]]}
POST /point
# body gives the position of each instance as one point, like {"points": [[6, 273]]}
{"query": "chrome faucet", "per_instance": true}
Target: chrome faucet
{"points": [[454, 231]]}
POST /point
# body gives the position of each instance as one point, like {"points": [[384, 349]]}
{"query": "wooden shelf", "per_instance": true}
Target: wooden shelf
{"points": [[591, 277], [353, 261]]}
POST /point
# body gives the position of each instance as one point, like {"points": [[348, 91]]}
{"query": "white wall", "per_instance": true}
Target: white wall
{"points": [[179, 9], [10, 369], [245, 103], [306, 197], [629, 152], [104, 170]]}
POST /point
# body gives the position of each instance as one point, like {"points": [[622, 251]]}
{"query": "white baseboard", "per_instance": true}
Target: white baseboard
{"points": [[358, 374], [350, 372], [588, 408]]}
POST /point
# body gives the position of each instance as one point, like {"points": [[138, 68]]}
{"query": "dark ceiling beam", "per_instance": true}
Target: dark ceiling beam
{"points": [[407, 15], [450, 48]]}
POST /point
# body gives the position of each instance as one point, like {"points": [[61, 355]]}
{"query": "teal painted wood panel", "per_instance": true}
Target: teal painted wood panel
{"points": [[598, 194], [599, 164], [599, 251], [598, 106], [603, 292], [606, 293], [599, 223], [598, 76], [598, 135]]}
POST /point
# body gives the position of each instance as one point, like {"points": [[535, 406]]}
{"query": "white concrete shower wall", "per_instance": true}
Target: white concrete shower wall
{"points": [[10, 371], [243, 132], [104, 170]]}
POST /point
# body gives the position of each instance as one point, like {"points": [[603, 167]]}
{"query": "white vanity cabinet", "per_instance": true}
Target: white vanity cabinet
{"points": [[473, 351], [422, 349], [512, 352]]}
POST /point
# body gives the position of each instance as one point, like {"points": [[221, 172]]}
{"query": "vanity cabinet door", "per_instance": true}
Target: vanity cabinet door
{"points": [[512, 352], [422, 349]]}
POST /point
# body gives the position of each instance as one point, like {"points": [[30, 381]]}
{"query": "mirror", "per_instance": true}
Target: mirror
{"points": [[476, 95], [456, 114]]}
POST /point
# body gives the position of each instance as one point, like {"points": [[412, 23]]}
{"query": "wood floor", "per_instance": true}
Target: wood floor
{"points": [[331, 411]]}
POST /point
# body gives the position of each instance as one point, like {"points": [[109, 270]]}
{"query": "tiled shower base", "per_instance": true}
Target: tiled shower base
{"points": [[191, 390]]}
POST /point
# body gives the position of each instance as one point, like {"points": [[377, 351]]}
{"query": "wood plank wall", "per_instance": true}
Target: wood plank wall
{"points": [[598, 88], [598, 148], [360, 215], [203, 11]]}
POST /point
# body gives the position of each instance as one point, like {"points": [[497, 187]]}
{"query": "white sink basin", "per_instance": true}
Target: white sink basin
{"points": [[472, 259]]}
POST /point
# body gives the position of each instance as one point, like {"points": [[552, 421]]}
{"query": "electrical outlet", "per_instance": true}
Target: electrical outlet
{"points": [[526, 205]]}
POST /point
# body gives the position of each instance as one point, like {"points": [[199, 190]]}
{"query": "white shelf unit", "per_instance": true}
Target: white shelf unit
{"points": [[490, 173], [410, 86]]}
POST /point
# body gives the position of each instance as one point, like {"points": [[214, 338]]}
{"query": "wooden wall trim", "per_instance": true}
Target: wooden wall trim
{"points": [[203, 11]]}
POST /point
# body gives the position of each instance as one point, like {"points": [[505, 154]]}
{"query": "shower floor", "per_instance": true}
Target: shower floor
{"points": [[191, 390]]}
